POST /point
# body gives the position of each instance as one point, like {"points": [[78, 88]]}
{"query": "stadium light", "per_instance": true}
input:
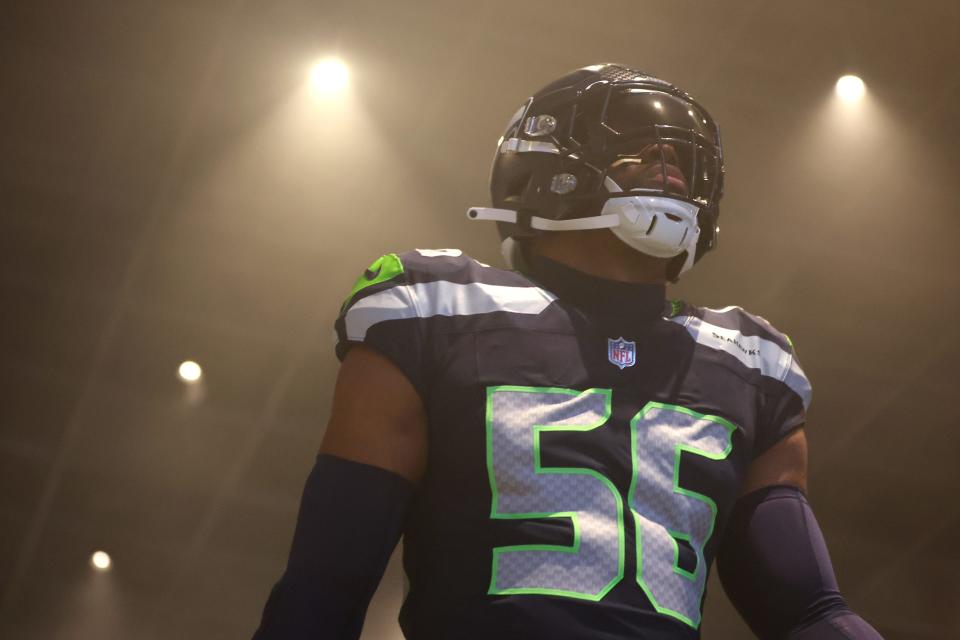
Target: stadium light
{"points": [[100, 560], [329, 76], [850, 88], [189, 371]]}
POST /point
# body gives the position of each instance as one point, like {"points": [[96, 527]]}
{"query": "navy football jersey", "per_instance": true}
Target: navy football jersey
{"points": [[587, 440]]}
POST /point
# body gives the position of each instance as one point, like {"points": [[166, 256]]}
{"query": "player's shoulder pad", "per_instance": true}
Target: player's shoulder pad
{"points": [[748, 324], [453, 265], [435, 282], [749, 338], [423, 266]]}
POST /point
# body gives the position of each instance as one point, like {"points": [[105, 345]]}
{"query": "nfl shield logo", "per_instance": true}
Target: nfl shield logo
{"points": [[622, 353]]}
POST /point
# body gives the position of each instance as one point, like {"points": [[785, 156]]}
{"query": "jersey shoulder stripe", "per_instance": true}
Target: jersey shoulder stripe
{"points": [[452, 265], [734, 317], [441, 298], [442, 283], [753, 341]]}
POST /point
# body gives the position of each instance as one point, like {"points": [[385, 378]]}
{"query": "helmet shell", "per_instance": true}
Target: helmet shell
{"points": [[592, 121]]}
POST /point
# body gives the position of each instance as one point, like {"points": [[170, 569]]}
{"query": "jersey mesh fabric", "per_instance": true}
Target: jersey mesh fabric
{"points": [[458, 330]]}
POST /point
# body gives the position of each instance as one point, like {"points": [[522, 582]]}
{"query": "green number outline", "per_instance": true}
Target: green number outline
{"points": [[680, 448], [539, 469]]}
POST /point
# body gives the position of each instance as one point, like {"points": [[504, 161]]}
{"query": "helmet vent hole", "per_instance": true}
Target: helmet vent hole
{"points": [[670, 216], [653, 223]]}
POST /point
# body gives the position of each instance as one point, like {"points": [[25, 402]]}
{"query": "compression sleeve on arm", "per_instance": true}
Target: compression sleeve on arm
{"points": [[774, 566], [351, 517]]}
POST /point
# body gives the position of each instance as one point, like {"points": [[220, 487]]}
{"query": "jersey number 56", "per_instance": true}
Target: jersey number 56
{"points": [[664, 511]]}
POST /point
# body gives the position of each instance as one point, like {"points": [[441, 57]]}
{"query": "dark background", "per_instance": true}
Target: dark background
{"points": [[170, 189]]}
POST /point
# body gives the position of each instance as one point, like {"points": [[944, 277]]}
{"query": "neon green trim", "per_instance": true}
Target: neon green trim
{"points": [[384, 268], [677, 535], [680, 448], [675, 307], [572, 515]]}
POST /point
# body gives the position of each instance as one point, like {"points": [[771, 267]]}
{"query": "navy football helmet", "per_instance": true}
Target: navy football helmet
{"points": [[607, 146]]}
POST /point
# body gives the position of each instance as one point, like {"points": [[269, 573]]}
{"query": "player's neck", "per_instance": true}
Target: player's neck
{"points": [[601, 254]]}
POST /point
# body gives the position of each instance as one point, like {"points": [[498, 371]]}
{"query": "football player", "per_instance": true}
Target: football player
{"points": [[564, 450]]}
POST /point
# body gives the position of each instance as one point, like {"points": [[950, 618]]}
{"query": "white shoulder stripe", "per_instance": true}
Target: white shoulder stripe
{"points": [[753, 351], [724, 309], [441, 298]]}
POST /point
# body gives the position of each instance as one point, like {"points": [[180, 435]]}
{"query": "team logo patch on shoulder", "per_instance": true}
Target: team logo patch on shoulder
{"points": [[622, 353]]}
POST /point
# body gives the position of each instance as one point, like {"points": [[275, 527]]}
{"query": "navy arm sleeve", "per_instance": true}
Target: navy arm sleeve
{"points": [[774, 566], [351, 517], [351, 514]]}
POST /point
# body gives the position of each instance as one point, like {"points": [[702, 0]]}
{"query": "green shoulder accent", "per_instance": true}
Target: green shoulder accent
{"points": [[790, 342], [675, 307], [384, 268]]}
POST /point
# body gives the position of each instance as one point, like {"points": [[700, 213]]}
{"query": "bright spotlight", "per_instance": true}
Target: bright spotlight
{"points": [[850, 88], [189, 371], [100, 560], [329, 76]]}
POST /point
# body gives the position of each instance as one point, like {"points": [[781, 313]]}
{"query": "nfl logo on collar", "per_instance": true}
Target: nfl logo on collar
{"points": [[622, 353]]}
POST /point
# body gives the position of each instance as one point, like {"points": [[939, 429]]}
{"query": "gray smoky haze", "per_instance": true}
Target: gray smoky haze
{"points": [[172, 189]]}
